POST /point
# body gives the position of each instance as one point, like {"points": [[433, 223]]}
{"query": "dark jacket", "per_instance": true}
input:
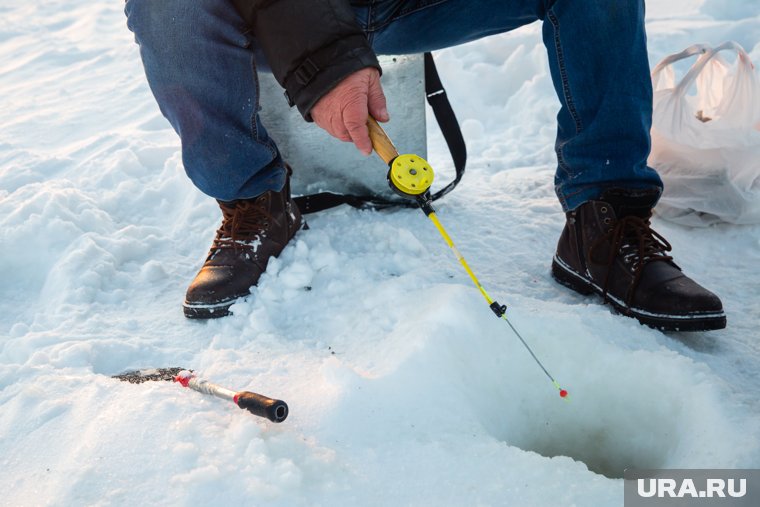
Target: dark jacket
{"points": [[310, 45]]}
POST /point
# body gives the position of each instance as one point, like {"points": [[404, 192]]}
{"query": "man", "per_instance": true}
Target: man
{"points": [[201, 59]]}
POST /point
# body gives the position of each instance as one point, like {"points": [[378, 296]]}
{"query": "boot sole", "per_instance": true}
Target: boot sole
{"points": [[698, 321], [208, 311]]}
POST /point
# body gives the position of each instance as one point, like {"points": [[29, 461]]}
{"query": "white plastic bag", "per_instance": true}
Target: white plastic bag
{"points": [[706, 146]]}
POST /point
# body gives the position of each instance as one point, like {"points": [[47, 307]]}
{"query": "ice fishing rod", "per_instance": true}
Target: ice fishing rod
{"points": [[411, 176], [257, 404]]}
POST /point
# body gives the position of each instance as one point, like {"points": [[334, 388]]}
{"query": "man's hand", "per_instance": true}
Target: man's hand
{"points": [[343, 111]]}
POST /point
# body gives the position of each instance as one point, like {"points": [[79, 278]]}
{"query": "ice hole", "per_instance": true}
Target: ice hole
{"points": [[643, 420]]}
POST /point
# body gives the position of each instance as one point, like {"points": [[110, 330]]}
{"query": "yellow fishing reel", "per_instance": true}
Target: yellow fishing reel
{"points": [[410, 176]]}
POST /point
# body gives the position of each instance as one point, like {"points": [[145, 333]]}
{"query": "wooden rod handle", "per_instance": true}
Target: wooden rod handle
{"points": [[380, 141]]}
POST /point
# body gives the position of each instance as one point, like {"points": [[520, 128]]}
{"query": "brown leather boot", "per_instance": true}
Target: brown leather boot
{"points": [[609, 248], [252, 231]]}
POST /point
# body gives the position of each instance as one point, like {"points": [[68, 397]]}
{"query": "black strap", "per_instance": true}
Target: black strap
{"points": [[326, 200], [447, 121]]}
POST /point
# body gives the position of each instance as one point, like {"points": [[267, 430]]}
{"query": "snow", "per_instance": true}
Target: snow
{"points": [[403, 388]]}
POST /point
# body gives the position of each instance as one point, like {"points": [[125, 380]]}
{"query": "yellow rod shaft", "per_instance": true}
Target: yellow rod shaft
{"points": [[459, 256], [490, 301]]}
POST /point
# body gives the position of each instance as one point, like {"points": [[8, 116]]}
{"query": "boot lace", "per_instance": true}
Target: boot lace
{"points": [[243, 224], [634, 241]]}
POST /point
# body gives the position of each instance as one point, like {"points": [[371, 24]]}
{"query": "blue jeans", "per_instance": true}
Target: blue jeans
{"points": [[202, 69]]}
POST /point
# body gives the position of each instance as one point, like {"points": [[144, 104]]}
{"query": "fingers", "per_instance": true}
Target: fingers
{"points": [[343, 111], [355, 120], [338, 129], [376, 99]]}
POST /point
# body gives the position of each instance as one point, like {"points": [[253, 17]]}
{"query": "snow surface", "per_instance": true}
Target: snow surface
{"points": [[403, 388]]}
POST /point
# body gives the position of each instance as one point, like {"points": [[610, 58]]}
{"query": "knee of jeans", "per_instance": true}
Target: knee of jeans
{"points": [[180, 22], [150, 18], [143, 16]]}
